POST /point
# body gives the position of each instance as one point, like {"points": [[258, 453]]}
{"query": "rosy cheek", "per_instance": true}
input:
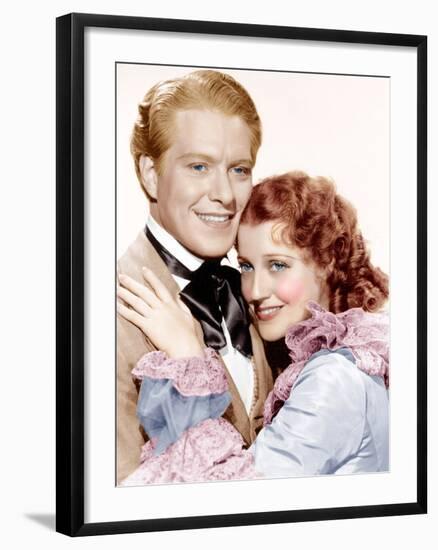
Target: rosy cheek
{"points": [[289, 290]]}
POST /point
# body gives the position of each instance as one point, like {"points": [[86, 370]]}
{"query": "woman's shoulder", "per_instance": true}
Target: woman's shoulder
{"points": [[364, 334], [332, 348], [327, 369], [322, 374]]}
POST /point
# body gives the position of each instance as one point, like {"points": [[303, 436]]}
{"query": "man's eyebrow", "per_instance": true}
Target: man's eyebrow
{"points": [[208, 158], [242, 161], [195, 155]]}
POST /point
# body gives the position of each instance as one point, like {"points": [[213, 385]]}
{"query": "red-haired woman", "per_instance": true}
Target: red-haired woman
{"points": [[312, 292]]}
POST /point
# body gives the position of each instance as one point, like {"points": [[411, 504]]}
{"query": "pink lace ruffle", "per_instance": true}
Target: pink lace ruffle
{"points": [[192, 376], [365, 334], [212, 450]]}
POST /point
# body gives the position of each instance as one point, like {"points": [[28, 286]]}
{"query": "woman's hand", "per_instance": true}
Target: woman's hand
{"points": [[166, 321]]}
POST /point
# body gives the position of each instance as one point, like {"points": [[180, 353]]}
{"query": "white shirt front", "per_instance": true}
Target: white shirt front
{"points": [[239, 366]]}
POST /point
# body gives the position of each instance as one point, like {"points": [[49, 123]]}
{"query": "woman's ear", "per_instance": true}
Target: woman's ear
{"points": [[149, 178]]}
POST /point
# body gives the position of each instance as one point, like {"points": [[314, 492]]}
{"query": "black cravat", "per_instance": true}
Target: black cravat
{"points": [[213, 293]]}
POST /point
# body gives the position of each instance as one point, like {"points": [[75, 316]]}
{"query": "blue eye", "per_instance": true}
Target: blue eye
{"points": [[245, 267], [241, 170], [198, 167], [278, 266]]}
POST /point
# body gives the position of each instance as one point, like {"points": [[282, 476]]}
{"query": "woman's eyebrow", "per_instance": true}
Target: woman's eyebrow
{"points": [[280, 255], [269, 256]]}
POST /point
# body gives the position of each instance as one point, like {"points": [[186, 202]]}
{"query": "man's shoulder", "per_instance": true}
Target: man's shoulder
{"points": [[131, 342], [135, 255], [140, 253]]}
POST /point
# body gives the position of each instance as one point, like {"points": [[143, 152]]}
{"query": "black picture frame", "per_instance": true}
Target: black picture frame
{"points": [[70, 272]]}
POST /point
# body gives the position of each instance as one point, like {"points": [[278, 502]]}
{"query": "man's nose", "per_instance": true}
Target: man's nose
{"points": [[221, 189]]}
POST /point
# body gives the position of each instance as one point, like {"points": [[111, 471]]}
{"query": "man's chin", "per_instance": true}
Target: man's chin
{"points": [[209, 250]]}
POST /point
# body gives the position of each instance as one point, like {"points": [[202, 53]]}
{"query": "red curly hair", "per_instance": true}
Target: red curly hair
{"points": [[323, 223]]}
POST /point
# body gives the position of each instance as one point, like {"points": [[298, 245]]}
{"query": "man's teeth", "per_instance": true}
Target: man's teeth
{"points": [[213, 218], [269, 310]]}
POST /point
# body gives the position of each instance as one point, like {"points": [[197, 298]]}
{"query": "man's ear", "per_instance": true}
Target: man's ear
{"points": [[149, 178]]}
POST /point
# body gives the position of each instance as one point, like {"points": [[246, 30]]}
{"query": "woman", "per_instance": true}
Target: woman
{"points": [[309, 283]]}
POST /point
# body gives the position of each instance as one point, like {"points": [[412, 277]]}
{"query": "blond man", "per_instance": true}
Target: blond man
{"points": [[194, 146]]}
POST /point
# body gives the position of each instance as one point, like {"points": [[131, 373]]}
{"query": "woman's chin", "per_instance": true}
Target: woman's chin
{"points": [[270, 334]]}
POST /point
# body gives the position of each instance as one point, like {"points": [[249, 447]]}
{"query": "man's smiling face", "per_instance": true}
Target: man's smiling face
{"points": [[205, 181]]}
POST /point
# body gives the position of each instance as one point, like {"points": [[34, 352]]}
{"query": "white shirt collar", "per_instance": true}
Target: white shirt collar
{"points": [[188, 259]]}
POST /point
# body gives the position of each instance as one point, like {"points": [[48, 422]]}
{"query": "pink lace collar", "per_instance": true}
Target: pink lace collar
{"points": [[365, 334]]}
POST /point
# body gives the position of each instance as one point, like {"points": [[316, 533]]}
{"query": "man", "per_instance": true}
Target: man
{"points": [[194, 146]]}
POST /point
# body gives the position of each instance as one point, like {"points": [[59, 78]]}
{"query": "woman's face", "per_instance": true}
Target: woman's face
{"points": [[276, 281]]}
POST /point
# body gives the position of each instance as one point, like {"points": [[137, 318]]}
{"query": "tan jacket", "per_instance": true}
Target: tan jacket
{"points": [[132, 344]]}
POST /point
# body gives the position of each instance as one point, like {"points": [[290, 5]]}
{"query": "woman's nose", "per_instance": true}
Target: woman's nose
{"points": [[261, 287]]}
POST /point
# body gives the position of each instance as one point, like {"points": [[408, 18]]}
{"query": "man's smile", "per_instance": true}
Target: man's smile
{"points": [[215, 219]]}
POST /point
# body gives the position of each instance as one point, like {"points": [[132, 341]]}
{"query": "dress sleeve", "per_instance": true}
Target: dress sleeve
{"points": [[176, 394], [319, 426]]}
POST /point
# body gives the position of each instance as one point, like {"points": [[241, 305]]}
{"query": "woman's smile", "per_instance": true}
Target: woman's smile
{"points": [[277, 281], [266, 313]]}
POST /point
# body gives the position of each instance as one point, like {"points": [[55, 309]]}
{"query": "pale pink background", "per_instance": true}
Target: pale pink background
{"points": [[330, 125]]}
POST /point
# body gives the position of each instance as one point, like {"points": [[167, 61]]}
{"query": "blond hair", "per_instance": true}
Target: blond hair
{"points": [[203, 89]]}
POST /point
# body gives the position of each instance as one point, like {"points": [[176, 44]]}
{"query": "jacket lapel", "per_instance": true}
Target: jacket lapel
{"points": [[263, 381]]}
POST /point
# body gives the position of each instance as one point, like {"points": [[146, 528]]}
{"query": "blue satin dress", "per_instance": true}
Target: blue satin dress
{"points": [[335, 421]]}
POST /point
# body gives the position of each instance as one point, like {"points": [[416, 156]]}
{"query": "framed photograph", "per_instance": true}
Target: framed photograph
{"points": [[241, 274]]}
